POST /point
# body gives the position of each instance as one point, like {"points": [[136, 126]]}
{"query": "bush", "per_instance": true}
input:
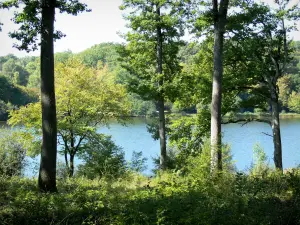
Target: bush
{"points": [[102, 158], [230, 199], [260, 166], [12, 155]]}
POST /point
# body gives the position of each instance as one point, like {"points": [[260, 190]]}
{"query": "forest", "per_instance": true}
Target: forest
{"points": [[241, 66]]}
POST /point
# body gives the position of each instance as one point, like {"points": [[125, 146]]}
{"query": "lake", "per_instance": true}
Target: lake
{"points": [[242, 139]]}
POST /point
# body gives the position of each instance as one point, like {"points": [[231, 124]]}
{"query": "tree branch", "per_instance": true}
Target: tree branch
{"points": [[246, 120]]}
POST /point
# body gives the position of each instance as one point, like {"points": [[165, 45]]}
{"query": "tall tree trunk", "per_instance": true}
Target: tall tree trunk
{"points": [[160, 103], [219, 30], [47, 173], [275, 122]]}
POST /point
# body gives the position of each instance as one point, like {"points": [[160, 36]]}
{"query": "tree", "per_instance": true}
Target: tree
{"points": [[285, 89], [219, 15], [274, 54], [106, 53], [86, 98], [37, 17], [102, 158], [34, 79], [294, 102], [15, 73], [151, 54], [211, 17], [266, 53]]}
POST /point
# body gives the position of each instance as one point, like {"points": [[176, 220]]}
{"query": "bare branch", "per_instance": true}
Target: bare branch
{"points": [[267, 134]]}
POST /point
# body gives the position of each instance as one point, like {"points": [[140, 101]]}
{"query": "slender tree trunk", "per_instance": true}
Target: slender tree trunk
{"points": [[219, 29], [72, 154], [275, 122], [160, 103], [66, 159], [71, 168], [47, 173], [162, 134]]}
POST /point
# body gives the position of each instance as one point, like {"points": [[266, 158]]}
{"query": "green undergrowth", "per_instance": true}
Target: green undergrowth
{"points": [[167, 198]]}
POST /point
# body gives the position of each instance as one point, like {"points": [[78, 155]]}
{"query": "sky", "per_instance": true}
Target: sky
{"points": [[84, 30]]}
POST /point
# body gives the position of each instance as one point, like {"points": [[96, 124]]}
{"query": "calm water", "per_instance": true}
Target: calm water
{"points": [[134, 137]]}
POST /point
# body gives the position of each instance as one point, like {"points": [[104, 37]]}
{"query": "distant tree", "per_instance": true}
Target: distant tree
{"points": [[284, 90], [104, 53], [294, 102], [34, 79], [4, 59], [16, 95], [15, 73], [86, 98], [62, 57]]}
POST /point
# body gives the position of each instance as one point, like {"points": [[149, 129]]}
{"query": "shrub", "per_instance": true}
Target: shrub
{"points": [[102, 158], [12, 155]]}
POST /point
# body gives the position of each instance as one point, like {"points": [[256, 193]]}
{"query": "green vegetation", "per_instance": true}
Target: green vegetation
{"points": [[169, 198], [244, 68], [86, 99]]}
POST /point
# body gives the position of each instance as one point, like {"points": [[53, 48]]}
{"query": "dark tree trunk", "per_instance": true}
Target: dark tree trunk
{"points": [[47, 173], [71, 168], [66, 159], [220, 14], [72, 154], [275, 123], [160, 103]]}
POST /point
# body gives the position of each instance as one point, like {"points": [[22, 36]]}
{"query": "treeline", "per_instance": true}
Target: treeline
{"points": [[20, 79]]}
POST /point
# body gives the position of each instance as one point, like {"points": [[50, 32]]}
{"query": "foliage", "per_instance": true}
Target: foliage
{"points": [[15, 73], [86, 98], [230, 199], [139, 107], [97, 56], [294, 102], [102, 158], [12, 96], [138, 162], [260, 166], [139, 56], [13, 150], [29, 20]]}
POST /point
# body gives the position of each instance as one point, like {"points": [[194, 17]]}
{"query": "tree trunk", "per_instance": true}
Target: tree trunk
{"points": [[72, 154], [161, 105], [275, 122], [66, 159], [47, 173], [219, 29], [162, 135], [216, 148], [71, 169]]}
